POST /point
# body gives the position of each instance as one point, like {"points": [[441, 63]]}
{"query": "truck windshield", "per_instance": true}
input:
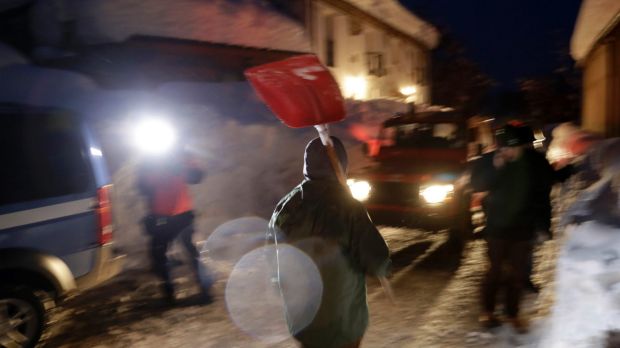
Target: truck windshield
{"points": [[426, 135]]}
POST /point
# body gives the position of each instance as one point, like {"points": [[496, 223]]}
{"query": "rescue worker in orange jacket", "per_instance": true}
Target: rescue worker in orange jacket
{"points": [[164, 183]]}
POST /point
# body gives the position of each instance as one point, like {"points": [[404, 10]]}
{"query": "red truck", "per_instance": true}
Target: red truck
{"points": [[419, 175]]}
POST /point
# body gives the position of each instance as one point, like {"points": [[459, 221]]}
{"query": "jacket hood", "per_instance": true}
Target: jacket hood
{"points": [[316, 160]]}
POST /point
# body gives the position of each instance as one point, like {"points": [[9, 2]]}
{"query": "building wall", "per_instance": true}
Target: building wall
{"points": [[601, 87], [368, 61]]}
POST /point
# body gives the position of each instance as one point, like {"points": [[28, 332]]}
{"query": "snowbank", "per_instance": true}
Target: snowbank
{"points": [[587, 306], [587, 303], [220, 21]]}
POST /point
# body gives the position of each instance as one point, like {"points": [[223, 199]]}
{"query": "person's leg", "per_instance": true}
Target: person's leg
{"points": [[519, 255], [201, 273], [159, 246], [492, 279]]}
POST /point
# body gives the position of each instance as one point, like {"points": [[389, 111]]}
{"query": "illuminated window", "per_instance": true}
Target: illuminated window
{"points": [[375, 64]]}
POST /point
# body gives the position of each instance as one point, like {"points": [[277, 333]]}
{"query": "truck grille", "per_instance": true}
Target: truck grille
{"points": [[394, 193]]}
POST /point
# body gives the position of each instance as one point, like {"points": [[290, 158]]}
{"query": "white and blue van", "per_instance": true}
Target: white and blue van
{"points": [[56, 229]]}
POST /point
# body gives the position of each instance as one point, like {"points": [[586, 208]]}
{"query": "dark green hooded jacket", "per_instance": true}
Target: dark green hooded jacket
{"points": [[320, 217]]}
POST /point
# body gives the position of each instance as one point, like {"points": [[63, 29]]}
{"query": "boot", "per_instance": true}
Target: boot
{"points": [[488, 320], [520, 325], [168, 292]]}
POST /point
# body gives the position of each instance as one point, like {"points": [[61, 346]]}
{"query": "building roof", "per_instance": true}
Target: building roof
{"points": [[596, 19], [397, 16]]}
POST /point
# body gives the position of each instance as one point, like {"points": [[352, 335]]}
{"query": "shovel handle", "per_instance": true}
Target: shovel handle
{"points": [[331, 153], [333, 158]]}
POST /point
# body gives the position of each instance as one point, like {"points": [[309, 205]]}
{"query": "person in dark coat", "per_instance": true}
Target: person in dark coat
{"points": [[543, 219], [518, 180], [321, 218]]}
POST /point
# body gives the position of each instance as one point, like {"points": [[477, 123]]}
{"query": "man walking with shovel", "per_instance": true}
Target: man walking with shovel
{"points": [[321, 218]]}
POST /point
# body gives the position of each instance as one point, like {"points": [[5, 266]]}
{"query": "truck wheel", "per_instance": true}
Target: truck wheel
{"points": [[22, 317]]}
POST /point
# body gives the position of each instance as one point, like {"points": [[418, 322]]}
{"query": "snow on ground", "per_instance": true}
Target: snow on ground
{"points": [[436, 286], [220, 21]]}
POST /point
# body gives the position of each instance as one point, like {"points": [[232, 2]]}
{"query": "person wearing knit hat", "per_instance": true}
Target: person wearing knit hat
{"points": [[517, 179]]}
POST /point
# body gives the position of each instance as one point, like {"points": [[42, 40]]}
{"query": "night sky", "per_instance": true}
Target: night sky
{"points": [[509, 39]]}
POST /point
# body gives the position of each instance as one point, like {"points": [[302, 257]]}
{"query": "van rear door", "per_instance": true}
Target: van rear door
{"points": [[49, 194]]}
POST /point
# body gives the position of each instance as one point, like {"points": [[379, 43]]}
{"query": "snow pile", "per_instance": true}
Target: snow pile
{"points": [[587, 307], [595, 19], [220, 21], [587, 304]]}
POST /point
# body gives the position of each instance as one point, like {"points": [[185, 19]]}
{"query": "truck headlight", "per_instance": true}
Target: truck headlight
{"points": [[360, 189], [435, 194]]}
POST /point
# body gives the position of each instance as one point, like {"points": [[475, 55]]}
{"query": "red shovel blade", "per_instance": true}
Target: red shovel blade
{"points": [[300, 91]]}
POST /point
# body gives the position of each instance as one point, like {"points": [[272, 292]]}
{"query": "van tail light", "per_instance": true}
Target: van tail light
{"points": [[104, 215]]}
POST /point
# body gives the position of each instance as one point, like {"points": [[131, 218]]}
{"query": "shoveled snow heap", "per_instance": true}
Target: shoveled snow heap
{"points": [[587, 306], [220, 21]]}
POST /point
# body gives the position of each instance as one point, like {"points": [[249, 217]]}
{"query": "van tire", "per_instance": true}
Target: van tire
{"points": [[18, 299]]}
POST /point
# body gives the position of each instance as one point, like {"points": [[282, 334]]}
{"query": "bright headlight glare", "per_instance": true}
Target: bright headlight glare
{"points": [[154, 136], [360, 189], [435, 194]]}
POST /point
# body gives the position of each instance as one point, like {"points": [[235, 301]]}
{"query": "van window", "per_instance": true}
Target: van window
{"points": [[42, 156]]}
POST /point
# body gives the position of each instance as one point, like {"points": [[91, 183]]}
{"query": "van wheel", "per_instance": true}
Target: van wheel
{"points": [[22, 317]]}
